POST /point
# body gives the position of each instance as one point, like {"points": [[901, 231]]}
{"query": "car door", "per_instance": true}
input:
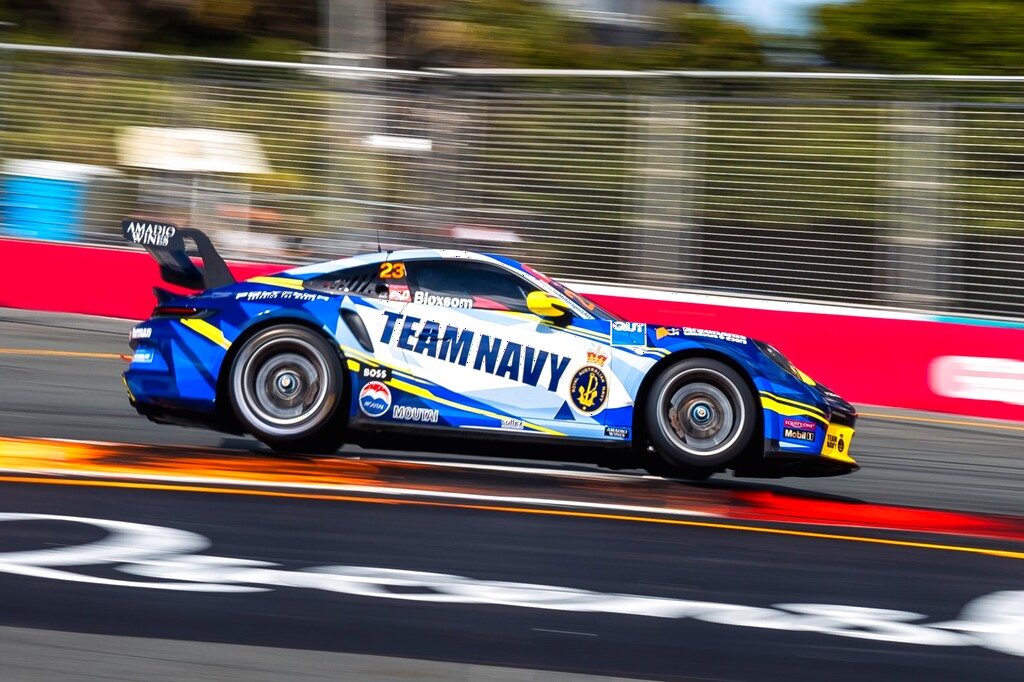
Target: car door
{"points": [[487, 362], [371, 295]]}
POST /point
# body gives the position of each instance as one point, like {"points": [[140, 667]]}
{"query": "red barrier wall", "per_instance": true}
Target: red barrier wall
{"points": [[85, 279], [960, 368], [892, 362]]}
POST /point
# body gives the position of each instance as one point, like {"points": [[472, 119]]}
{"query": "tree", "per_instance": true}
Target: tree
{"points": [[538, 34], [420, 33], [234, 27], [924, 36], [699, 38]]}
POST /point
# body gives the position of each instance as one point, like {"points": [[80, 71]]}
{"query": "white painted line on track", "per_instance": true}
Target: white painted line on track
{"points": [[374, 490]]}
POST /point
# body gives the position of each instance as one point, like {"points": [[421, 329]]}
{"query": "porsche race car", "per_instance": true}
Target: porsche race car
{"points": [[459, 343]]}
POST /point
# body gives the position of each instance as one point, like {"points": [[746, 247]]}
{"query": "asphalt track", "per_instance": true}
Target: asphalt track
{"points": [[520, 569]]}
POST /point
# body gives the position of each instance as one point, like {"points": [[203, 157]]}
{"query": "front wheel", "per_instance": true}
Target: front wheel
{"points": [[286, 387], [701, 415]]}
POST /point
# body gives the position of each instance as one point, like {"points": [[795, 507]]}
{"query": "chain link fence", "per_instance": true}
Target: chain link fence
{"points": [[901, 191]]}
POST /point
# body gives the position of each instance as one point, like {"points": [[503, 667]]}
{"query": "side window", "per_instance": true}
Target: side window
{"points": [[458, 283], [376, 280]]}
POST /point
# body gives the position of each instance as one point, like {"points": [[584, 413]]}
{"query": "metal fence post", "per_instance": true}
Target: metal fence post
{"points": [[665, 246], [916, 268]]}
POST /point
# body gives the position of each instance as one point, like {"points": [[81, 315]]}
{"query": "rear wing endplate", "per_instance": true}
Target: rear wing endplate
{"points": [[166, 244]]}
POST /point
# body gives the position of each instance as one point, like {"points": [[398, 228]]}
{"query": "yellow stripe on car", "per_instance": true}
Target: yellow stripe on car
{"points": [[789, 410], [128, 388], [424, 393], [285, 282], [373, 362], [205, 329], [794, 403], [806, 379]]}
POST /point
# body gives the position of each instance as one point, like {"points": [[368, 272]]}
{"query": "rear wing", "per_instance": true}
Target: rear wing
{"points": [[166, 244]]}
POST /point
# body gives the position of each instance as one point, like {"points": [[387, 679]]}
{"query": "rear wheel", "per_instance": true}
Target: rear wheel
{"points": [[286, 386], [701, 415]]}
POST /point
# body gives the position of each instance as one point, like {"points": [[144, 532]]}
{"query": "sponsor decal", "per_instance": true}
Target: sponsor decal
{"points": [[483, 353], [143, 356], [258, 295], [799, 424], [302, 296], [149, 234], [375, 399], [662, 332], [588, 389], [629, 333], [425, 298], [140, 333], [414, 414], [835, 442], [596, 358], [710, 334], [799, 434], [399, 293], [616, 431], [275, 295], [375, 373], [536, 273], [973, 378], [147, 557], [512, 423]]}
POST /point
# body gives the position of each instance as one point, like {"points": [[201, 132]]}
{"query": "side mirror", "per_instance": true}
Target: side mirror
{"points": [[546, 305]]}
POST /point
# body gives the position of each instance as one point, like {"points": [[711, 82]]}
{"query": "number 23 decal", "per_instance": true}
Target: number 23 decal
{"points": [[392, 270]]}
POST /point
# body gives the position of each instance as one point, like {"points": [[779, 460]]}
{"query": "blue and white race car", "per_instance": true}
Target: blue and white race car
{"points": [[453, 342]]}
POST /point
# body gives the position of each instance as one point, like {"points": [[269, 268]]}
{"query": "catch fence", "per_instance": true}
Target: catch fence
{"points": [[900, 191]]}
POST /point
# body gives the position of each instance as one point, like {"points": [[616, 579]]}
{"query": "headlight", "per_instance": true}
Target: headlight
{"points": [[782, 361]]}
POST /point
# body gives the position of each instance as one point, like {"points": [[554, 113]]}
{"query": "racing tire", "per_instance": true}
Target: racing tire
{"points": [[701, 414], [286, 386]]}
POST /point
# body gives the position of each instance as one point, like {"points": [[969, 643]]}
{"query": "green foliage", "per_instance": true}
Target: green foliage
{"points": [[924, 36], [700, 39], [532, 34], [274, 29], [511, 33]]}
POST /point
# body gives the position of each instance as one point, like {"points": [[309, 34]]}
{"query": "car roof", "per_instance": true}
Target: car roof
{"points": [[381, 256]]}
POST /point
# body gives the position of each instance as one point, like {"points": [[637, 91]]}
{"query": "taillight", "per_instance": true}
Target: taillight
{"points": [[174, 311]]}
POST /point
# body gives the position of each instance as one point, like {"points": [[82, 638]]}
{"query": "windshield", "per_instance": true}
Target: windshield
{"points": [[580, 300]]}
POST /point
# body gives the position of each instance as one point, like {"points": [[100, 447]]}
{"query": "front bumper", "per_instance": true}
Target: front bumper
{"points": [[803, 439]]}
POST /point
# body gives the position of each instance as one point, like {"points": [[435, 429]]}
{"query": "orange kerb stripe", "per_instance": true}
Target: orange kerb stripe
{"points": [[61, 354], [519, 510]]}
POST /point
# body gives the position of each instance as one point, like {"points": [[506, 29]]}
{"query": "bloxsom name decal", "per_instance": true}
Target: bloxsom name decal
{"points": [[154, 557]]}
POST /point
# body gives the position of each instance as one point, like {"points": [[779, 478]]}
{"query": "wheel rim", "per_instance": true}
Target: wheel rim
{"points": [[285, 386], [702, 412]]}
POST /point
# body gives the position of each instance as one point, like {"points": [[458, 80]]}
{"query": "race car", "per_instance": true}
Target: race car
{"points": [[445, 342]]}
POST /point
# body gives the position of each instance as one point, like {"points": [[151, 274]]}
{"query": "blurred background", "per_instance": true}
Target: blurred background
{"points": [[867, 151]]}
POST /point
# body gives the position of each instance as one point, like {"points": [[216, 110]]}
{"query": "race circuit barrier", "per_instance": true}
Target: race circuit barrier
{"points": [[92, 280], [879, 357]]}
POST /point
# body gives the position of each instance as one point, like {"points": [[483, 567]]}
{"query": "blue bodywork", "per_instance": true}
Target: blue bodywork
{"points": [[516, 374]]}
